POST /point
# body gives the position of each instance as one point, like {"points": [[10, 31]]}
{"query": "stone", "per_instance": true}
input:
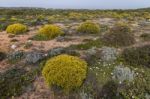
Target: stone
{"points": [[55, 51], [13, 46], [34, 57]]}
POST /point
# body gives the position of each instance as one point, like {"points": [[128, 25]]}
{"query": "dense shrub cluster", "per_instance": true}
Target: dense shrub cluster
{"points": [[120, 35], [89, 27], [67, 72], [50, 31], [16, 28], [138, 56]]}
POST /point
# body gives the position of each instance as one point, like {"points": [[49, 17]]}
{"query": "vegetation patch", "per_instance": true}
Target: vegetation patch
{"points": [[121, 27], [137, 56], [87, 45], [3, 26], [16, 28], [13, 81], [67, 72], [48, 32], [118, 38], [89, 28]]}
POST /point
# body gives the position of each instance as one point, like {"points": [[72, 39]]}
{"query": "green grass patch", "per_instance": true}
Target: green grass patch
{"points": [[87, 45]]}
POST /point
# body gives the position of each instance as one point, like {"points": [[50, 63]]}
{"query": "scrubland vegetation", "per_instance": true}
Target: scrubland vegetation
{"points": [[74, 54]]}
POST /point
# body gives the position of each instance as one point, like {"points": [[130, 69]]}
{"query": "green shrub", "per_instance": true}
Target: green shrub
{"points": [[16, 28], [67, 72], [137, 56], [50, 32], [89, 27]]}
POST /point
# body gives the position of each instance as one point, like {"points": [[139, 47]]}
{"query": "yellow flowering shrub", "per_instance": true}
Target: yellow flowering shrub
{"points": [[16, 28], [65, 71], [50, 31], [89, 27]]}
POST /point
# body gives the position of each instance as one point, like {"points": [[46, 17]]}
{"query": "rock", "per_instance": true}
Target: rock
{"points": [[108, 54], [34, 57], [122, 73], [63, 39], [13, 46], [60, 38], [55, 51]]}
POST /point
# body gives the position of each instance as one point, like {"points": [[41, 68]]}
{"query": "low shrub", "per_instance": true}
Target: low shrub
{"points": [[118, 39], [89, 27], [65, 71], [12, 82], [49, 32], [120, 35], [121, 27], [16, 28], [137, 56]]}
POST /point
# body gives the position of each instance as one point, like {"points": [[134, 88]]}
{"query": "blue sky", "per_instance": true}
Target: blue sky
{"points": [[87, 4]]}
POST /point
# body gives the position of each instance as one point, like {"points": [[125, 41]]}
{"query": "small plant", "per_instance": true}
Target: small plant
{"points": [[137, 56], [3, 26], [28, 44], [49, 32], [89, 27], [2, 56], [16, 28], [65, 71]]}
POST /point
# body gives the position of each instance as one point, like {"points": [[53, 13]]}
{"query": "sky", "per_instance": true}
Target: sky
{"points": [[78, 4]]}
